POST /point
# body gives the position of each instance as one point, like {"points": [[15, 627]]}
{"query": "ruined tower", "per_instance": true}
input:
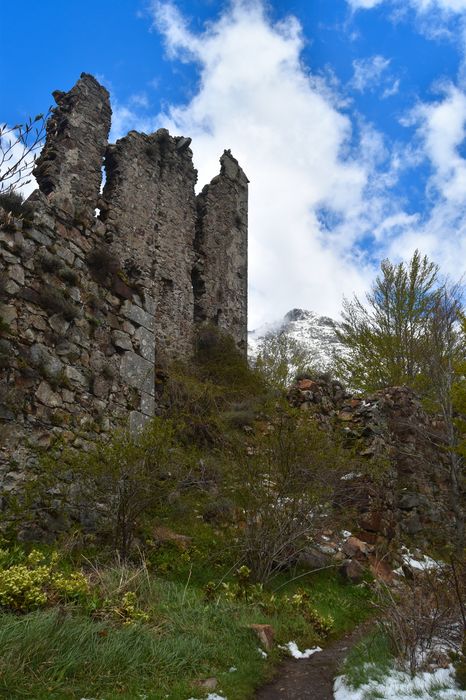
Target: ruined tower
{"points": [[103, 287]]}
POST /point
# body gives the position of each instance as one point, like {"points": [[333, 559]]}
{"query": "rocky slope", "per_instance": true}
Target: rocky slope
{"points": [[317, 334]]}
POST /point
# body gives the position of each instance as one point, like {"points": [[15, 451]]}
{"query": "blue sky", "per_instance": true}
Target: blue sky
{"points": [[347, 115]]}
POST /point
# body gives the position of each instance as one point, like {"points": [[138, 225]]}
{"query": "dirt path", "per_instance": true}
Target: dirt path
{"points": [[311, 679]]}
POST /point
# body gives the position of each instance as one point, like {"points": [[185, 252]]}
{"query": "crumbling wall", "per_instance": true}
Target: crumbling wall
{"points": [[220, 271], [69, 168], [149, 203], [96, 289]]}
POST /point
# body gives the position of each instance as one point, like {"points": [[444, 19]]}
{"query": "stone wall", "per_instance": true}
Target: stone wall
{"points": [[391, 429], [100, 289]]}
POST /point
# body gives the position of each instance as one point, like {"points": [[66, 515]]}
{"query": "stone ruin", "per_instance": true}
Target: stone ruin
{"points": [[99, 289]]}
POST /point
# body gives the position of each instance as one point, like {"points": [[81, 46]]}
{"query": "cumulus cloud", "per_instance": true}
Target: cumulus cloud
{"points": [[441, 133], [256, 97]]}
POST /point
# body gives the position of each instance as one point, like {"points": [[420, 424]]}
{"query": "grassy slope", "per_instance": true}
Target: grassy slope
{"points": [[65, 653]]}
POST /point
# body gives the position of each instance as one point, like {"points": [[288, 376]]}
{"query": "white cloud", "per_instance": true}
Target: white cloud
{"points": [[392, 89], [139, 99], [368, 72], [256, 97], [364, 4], [17, 161], [421, 6], [442, 131], [441, 233]]}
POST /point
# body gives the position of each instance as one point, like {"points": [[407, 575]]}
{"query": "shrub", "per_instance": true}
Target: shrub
{"points": [[14, 203], [70, 276], [281, 358], [221, 361], [36, 582], [49, 263], [283, 480], [103, 262], [129, 477], [53, 299], [420, 616]]}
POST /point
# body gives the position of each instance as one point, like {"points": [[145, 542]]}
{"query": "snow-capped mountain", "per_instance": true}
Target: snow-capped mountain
{"points": [[317, 334]]}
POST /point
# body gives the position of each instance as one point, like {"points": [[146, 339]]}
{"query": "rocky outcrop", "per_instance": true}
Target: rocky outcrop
{"points": [[403, 441]]}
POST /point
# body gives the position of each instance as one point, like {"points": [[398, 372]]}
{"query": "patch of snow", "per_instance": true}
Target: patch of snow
{"points": [[420, 563], [292, 648], [317, 334], [350, 475], [212, 696], [398, 685]]}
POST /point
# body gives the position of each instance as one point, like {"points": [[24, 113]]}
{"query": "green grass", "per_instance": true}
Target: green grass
{"points": [[64, 652], [369, 660], [47, 654]]}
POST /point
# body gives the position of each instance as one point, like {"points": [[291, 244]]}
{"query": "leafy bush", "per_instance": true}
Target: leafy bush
{"points": [[36, 582], [128, 477], [220, 360], [280, 359], [283, 479]]}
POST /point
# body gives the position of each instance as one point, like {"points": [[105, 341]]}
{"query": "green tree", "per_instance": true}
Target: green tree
{"points": [[280, 358], [385, 336]]}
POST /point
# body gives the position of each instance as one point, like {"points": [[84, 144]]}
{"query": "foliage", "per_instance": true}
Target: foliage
{"points": [[168, 637], [254, 594], [129, 476], [385, 337], [55, 300], [19, 147], [420, 616], [283, 479], [36, 582], [280, 359], [220, 361], [14, 203]]}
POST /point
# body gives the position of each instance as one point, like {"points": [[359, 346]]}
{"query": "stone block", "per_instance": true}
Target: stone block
{"points": [[121, 340], [138, 372], [146, 343], [47, 396], [137, 315], [147, 404], [137, 421]]}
